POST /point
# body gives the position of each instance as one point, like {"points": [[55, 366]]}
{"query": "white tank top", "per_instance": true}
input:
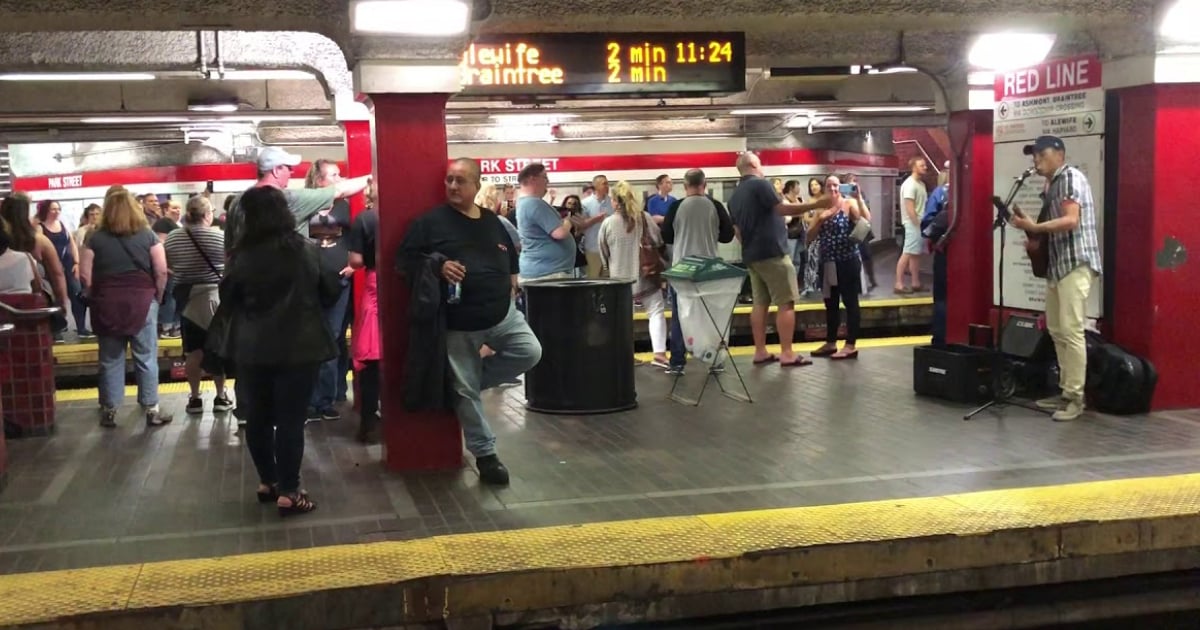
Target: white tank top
{"points": [[16, 272]]}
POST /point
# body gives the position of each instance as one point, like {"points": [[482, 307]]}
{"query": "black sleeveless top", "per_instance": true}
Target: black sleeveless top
{"points": [[62, 244]]}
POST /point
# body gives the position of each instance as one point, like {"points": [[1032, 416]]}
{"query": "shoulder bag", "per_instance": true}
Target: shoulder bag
{"points": [[650, 258]]}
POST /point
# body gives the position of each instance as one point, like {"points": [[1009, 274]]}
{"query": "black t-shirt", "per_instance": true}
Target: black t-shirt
{"points": [[329, 232], [164, 226], [482, 246], [752, 207], [363, 235]]}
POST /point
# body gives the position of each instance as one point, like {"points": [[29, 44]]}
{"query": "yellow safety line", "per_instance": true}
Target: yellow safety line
{"points": [[91, 393], [805, 307], [574, 565]]}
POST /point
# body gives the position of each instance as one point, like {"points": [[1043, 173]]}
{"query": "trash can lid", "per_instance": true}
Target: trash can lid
{"points": [[575, 283]]}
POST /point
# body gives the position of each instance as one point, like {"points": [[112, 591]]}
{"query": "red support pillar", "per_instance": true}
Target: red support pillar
{"points": [[1155, 264], [410, 163], [969, 257], [358, 163]]}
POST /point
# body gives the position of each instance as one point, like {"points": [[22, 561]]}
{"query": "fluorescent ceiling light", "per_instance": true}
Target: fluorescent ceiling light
{"points": [[78, 76], [121, 120], [264, 75], [781, 111], [428, 18], [981, 78], [1179, 21], [1009, 51], [531, 119], [452, 116], [212, 107], [891, 108], [981, 99]]}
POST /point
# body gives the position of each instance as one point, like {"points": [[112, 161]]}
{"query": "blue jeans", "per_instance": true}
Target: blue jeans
{"points": [[144, 348], [517, 351], [168, 317], [331, 371], [675, 339]]}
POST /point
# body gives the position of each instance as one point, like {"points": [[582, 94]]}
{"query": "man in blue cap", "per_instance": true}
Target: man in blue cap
{"points": [[1074, 247]]}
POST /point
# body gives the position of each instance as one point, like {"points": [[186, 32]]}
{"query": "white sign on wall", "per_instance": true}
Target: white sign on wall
{"points": [[1062, 98]]}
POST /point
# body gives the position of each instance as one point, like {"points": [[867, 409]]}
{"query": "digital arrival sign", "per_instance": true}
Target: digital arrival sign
{"points": [[601, 64]]}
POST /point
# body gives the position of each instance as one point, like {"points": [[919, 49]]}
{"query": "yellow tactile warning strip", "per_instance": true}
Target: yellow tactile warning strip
{"points": [[537, 569], [85, 394], [802, 307]]}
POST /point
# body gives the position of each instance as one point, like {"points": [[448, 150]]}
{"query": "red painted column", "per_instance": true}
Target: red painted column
{"points": [[358, 163], [410, 163], [969, 254], [1154, 307]]}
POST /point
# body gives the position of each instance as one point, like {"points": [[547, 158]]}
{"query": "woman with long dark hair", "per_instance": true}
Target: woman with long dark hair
{"points": [[48, 219], [23, 237], [812, 252], [271, 325], [572, 208]]}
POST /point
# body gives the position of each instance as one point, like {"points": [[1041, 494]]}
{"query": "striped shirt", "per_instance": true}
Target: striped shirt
{"points": [[185, 260], [1080, 246]]}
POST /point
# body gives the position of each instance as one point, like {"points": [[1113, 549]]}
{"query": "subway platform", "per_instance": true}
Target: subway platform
{"points": [[837, 484]]}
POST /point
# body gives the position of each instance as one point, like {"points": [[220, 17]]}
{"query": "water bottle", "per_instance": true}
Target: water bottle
{"points": [[455, 293]]}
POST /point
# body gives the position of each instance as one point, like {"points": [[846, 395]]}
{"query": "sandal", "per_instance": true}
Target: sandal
{"points": [[842, 356], [825, 351], [272, 495], [301, 504], [797, 362], [770, 358]]}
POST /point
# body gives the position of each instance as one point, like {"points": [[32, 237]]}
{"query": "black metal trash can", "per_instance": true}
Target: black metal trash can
{"points": [[585, 327]]}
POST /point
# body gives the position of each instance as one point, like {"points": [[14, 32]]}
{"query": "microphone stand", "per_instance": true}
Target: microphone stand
{"points": [[1000, 369]]}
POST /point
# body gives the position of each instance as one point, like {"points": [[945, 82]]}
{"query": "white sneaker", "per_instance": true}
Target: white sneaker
{"points": [[1053, 403], [1071, 411]]}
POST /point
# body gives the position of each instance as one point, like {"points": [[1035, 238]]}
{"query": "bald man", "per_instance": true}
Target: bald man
{"points": [[468, 249]]}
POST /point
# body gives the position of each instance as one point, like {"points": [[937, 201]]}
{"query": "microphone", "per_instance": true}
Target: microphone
{"points": [[1027, 172]]}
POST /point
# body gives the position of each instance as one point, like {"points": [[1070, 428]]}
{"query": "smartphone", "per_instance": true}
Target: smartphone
{"points": [[848, 190]]}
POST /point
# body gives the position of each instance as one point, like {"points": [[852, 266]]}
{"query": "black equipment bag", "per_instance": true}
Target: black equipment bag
{"points": [[1118, 382]]}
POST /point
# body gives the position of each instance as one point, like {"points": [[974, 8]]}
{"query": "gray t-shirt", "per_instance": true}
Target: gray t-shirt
{"points": [[914, 189], [111, 257], [764, 232], [696, 225], [303, 202]]}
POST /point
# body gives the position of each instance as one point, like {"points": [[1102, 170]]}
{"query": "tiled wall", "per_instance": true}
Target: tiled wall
{"points": [[27, 371]]}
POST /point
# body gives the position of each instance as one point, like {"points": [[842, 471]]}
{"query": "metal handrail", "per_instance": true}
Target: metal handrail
{"points": [[6, 328], [30, 313]]}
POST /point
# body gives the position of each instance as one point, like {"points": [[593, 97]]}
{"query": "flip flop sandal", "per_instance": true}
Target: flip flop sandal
{"points": [[799, 362], [769, 359], [843, 356], [824, 352]]}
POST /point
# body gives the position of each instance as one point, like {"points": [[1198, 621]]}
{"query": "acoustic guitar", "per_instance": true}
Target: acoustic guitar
{"points": [[1037, 244]]}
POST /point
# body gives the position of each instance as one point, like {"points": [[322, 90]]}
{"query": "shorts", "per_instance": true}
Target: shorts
{"points": [[914, 242], [194, 337], [773, 281]]}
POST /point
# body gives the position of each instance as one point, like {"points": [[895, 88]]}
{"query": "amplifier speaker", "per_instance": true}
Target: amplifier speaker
{"points": [[1023, 338], [958, 373]]}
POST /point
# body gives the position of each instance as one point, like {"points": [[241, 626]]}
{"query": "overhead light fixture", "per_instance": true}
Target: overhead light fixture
{"points": [[535, 133], [132, 120], [453, 117], [78, 76], [532, 118], [891, 108], [1179, 21], [265, 75], [979, 99], [780, 111], [422, 18], [887, 69], [1009, 51], [216, 106], [981, 78]]}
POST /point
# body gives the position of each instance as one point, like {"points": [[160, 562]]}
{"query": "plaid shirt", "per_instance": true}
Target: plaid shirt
{"points": [[1080, 246]]}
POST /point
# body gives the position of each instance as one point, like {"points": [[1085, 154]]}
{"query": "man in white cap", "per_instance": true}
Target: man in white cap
{"points": [[275, 169]]}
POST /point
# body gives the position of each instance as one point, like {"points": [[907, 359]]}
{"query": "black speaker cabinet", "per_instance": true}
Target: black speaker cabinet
{"points": [[955, 372], [1022, 338]]}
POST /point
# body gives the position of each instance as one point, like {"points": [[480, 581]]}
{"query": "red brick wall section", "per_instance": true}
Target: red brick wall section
{"points": [[27, 371]]}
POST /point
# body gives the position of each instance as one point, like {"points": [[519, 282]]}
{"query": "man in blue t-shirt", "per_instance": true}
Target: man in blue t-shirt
{"points": [[658, 204], [547, 247]]}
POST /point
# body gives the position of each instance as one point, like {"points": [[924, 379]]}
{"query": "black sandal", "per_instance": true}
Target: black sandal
{"points": [[272, 495], [301, 504]]}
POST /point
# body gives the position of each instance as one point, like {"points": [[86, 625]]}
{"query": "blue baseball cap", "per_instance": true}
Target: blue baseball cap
{"points": [[1043, 143]]}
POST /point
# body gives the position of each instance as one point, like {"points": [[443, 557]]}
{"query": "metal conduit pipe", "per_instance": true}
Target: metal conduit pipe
{"points": [[920, 148]]}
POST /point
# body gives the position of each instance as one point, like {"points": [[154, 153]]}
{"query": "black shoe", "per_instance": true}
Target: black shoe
{"points": [[195, 406], [491, 471], [313, 416], [331, 415], [222, 403]]}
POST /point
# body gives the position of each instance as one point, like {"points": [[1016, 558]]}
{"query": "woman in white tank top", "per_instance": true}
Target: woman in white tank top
{"points": [[17, 273]]}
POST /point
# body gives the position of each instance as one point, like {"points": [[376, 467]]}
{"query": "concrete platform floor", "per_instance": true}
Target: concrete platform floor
{"points": [[827, 434]]}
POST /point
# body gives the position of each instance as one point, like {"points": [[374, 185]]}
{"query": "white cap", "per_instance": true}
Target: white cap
{"points": [[270, 158]]}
